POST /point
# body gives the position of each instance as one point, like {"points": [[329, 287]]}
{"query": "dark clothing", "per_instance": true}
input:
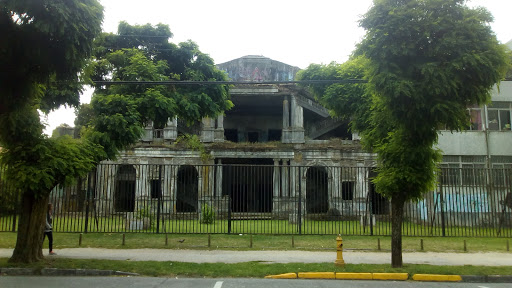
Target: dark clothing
{"points": [[49, 219], [48, 230], [50, 240]]}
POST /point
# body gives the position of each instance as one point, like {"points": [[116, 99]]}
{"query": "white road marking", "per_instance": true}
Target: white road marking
{"points": [[218, 284], [483, 287]]}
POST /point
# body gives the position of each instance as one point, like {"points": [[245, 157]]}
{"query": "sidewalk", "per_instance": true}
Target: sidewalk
{"points": [[270, 256]]}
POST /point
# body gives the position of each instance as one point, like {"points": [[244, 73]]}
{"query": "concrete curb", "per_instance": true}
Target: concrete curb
{"points": [[390, 276], [61, 272], [436, 278], [316, 275], [395, 277], [354, 276]]}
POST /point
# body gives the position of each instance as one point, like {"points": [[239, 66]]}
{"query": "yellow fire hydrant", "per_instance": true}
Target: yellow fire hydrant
{"points": [[339, 252]]}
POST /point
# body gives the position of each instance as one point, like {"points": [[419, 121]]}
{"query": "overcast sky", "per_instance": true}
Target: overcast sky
{"points": [[294, 32]]}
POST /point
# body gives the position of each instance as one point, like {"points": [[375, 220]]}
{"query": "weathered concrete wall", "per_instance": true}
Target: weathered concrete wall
{"points": [[258, 68]]}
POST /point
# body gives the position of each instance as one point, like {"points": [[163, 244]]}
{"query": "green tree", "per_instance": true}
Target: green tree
{"points": [[83, 115], [143, 53], [427, 60], [45, 52], [43, 48]]}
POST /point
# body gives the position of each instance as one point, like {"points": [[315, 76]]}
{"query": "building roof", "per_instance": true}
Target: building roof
{"points": [[258, 68]]}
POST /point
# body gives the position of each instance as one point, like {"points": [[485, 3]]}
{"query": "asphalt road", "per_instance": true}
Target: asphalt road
{"points": [[128, 282]]}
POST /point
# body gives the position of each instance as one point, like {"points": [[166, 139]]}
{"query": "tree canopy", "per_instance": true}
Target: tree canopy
{"points": [[143, 53], [43, 51], [44, 48], [426, 61], [48, 51]]}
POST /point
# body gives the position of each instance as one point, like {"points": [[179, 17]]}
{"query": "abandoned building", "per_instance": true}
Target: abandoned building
{"points": [[278, 154], [254, 154]]}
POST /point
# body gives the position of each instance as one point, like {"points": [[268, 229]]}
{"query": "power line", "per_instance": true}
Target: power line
{"points": [[144, 36], [340, 81]]}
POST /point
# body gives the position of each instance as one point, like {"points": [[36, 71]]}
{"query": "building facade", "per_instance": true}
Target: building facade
{"points": [[279, 154]]}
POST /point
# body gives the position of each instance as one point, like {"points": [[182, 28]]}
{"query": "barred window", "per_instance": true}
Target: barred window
{"points": [[501, 174], [498, 115], [463, 170]]}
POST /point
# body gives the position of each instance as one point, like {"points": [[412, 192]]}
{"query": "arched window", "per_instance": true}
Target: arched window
{"points": [[316, 190], [124, 197], [187, 189]]}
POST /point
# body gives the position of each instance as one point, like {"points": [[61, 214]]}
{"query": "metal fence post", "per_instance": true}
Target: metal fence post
{"points": [[159, 199], [229, 200], [441, 205], [299, 212], [87, 197]]}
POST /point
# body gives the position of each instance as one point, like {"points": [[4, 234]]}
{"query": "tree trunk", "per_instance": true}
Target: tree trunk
{"points": [[397, 216], [31, 224]]}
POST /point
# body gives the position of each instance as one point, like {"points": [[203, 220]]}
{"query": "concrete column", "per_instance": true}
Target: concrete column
{"points": [[276, 181], [218, 181], [286, 114], [293, 111], [148, 132], [171, 129], [285, 179], [219, 130], [297, 115], [220, 121], [362, 183], [294, 177], [294, 133], [207, 130]]}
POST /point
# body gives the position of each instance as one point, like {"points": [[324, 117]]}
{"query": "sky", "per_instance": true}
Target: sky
{"points": [[295, 32]]}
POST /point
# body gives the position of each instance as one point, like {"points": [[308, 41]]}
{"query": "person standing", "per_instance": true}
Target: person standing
{"points": [[48, 229]]}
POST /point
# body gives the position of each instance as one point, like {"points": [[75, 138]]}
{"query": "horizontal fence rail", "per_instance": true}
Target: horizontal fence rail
{"points": [[269, 199]]}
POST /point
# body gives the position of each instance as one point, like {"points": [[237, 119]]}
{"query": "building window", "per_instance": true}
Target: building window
{"points": [[499, 116], [253, 137], [231, 135], [501, 170], [347, 190], [463, 171], [158, 133], [124, 195], [274, 135], [475, 118], [156, 188]]}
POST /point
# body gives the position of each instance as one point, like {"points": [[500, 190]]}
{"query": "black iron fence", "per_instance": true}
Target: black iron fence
{"points": [[263, 199]]}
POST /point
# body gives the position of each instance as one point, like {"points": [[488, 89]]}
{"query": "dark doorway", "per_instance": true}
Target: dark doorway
{"points": [[156, 188], [231, 135], [249, 183], [187, 189], [316, 190], [347, 190], [380, 204], [274, 135], [124, 197], [253, 137]]}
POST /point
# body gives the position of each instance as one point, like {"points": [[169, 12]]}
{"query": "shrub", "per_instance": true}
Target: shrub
{"points": [[207, 214]]}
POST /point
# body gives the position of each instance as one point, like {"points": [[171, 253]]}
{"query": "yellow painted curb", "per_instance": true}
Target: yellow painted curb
{"points": [[390, 276], [282, 276], [317, 275], [354, 276], [436, 277]]}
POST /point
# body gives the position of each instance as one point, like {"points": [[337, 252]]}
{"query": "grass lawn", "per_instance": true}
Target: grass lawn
{"points": [[259, 242], [265, 242], [118, 224]]}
